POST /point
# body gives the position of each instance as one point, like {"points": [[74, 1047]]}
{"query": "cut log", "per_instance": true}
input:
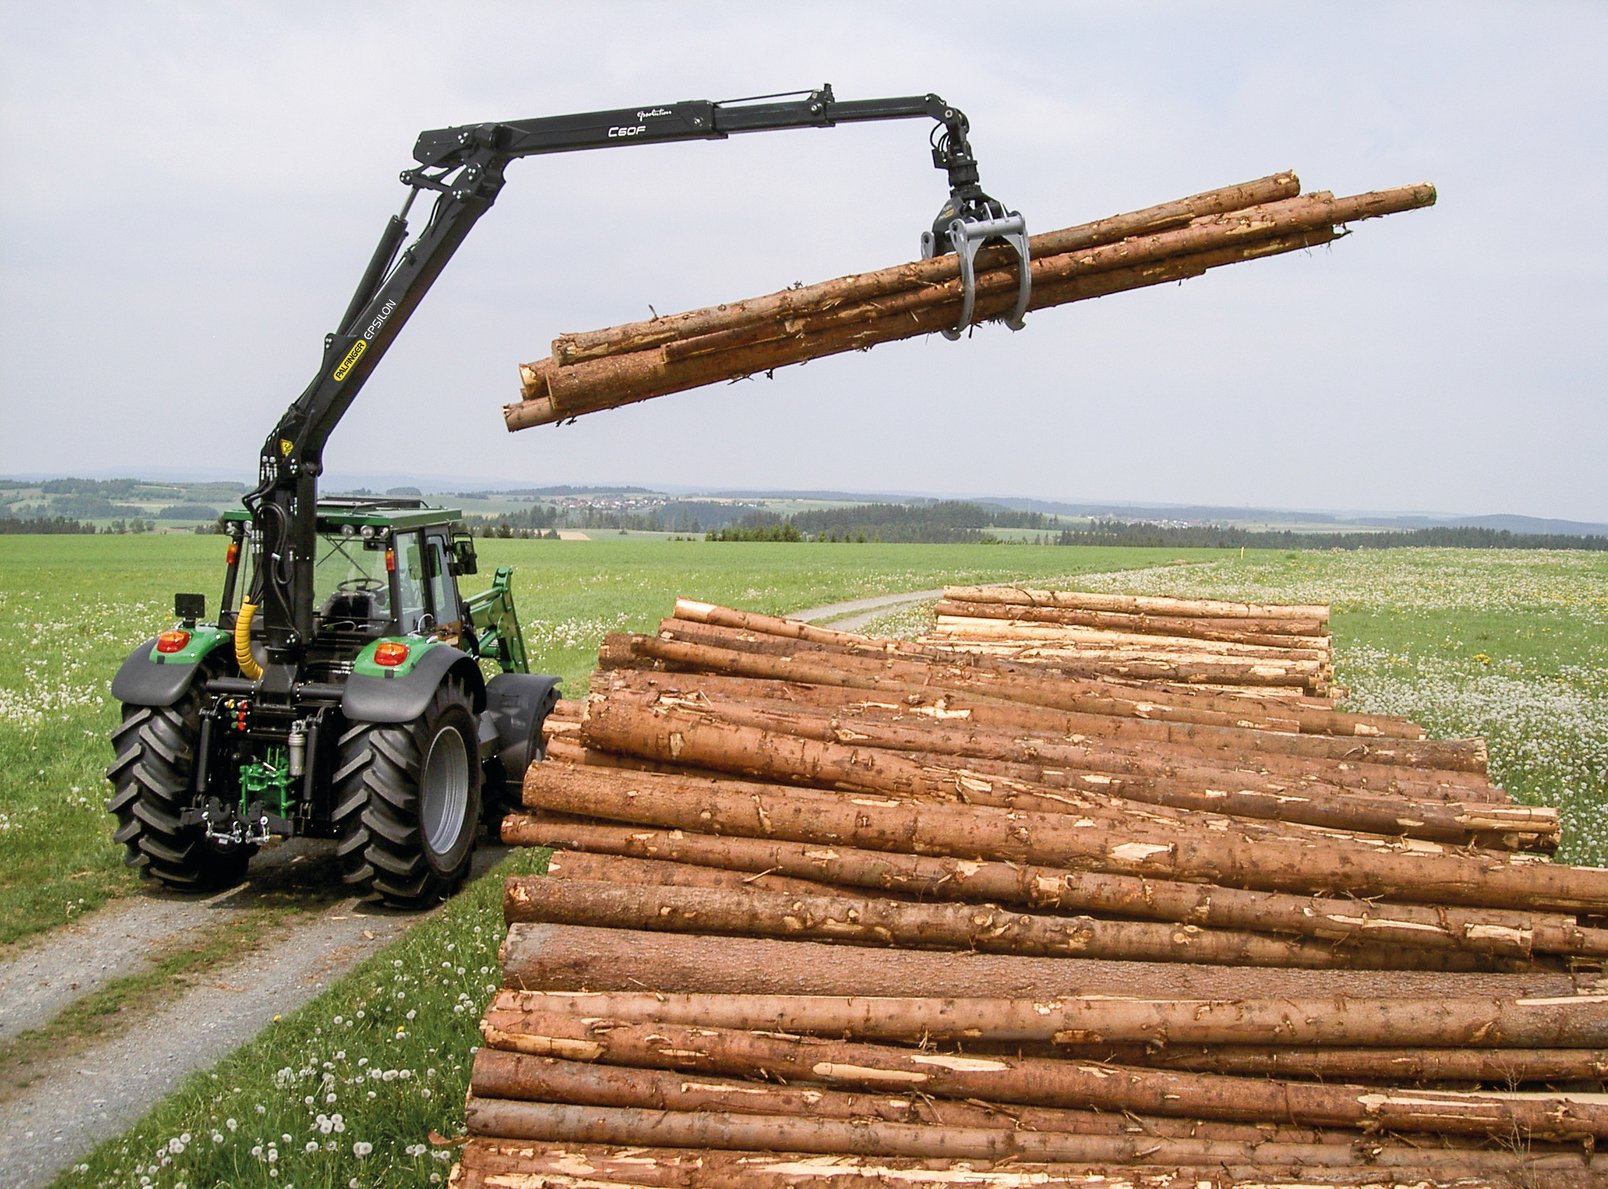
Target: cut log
{"points": [[577, 958], [759, 810], [1035, 1081], [502, 1163], [1337, 919], [637, 336], [1569, 1022]]}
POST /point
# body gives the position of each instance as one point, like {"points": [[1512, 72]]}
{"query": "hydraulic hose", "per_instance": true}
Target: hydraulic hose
{"points": [[249, 668]]}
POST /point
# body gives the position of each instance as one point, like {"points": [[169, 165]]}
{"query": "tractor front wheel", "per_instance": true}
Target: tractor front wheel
{"points": [[155, 749], [407, 802]]}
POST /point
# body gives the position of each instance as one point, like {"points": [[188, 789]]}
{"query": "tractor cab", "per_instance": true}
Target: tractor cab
{"points": [[384, 567]]}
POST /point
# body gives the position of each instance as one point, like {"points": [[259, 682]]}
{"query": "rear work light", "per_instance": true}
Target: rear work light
{"points": [[173, 641], [389, 653]]}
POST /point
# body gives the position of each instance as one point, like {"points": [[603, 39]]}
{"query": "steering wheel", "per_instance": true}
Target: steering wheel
{"points": [[365, 584]]}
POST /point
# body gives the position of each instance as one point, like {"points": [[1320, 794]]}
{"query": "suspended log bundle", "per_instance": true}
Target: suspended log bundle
{"points": [[1158, 245], [827, 909]]}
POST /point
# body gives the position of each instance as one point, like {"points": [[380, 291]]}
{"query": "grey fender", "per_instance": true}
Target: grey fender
{"points": [[402, 698], [511, 728], [145, 680]]}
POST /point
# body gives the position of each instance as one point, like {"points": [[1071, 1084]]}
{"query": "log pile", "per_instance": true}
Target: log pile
{"points": [[1271, 649], [826, 909], [1170, 242]]}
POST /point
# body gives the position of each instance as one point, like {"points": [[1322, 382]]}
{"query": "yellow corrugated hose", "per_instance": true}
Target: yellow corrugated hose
{"points": [[249, 668]]}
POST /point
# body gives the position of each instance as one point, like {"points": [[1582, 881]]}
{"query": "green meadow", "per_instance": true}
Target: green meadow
{"points": [[1508, 645]]}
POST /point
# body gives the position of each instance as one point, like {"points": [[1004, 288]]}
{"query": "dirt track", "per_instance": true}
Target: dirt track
{"points": [[70, 1103]]}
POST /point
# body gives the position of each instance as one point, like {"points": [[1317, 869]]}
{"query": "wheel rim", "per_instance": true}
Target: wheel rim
{"points": [[444, 791]]}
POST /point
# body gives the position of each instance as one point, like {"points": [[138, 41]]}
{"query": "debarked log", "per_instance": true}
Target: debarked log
{"points": [[759, 810], [1510, 933], [502, 1163], [1038, 1081], [986, 928], [579, 958], [636, 336], [1570, 1022]]}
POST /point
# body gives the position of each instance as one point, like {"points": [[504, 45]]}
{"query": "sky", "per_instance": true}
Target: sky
{"points": [[193, 190]]}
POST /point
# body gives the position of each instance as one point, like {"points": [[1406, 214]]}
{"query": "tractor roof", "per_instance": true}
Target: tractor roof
{"points": [[391, 512]]}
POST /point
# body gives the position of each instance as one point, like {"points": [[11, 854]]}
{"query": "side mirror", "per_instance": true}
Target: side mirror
{"points": [[190, 608], [463, 554]]}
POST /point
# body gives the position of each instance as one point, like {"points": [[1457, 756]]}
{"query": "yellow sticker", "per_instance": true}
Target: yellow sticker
{"points": [[352, 357], [286, 446]]}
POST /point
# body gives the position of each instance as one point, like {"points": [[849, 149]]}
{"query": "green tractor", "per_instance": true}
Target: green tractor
{"points": [[340, 692], [393, 741]]}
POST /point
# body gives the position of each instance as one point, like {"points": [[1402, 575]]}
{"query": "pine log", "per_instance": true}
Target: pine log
{"points": [[1136, 604], [977, 832], [498, 1073], [1101, 772], [880, 921], [1230, 236], [503, 1163], [1487, 930], [1110, 696], [1566, 1022], [1397, 1066], [1316, 719], [554, 393], [1077, 639], [637, 336], [629, 870], [677, 733], [1037, 1081], [577, 958], [1293, 631], [621, 651], [589, 1122]]}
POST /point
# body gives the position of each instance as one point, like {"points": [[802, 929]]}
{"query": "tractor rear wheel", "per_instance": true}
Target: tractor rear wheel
{"points": [[407, 802], [155, 748]]}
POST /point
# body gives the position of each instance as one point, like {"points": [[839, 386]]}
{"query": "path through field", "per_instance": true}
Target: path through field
{"points": [[68, 1100]]}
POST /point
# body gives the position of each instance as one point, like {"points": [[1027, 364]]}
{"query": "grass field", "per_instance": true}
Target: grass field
{"points": [[1512, 646]]}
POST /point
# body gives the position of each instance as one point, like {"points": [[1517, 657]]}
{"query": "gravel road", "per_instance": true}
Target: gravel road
{"points": [[73, 1102]]}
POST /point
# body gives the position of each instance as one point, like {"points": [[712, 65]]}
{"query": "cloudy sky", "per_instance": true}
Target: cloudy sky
{"points": [[193, 189]]}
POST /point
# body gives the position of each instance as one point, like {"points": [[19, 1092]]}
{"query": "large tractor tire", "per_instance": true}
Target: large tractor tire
{"points": [[155, 750], [407, 802]]}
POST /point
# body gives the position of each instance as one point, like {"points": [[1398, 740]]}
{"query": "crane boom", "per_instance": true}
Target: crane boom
{"points": [[463, 168]]}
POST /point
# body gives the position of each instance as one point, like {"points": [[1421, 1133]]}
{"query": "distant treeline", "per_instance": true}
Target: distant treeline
{"points": [[43, 524], [673, 516], [1119, 532], [961, 521]]}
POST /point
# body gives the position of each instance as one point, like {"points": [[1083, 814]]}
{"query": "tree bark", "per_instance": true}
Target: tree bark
{"points": [[984, 928], [1392, 1022], [1335, 919], [636, 336], [1037, 1081], [577, 958], [758, 810]]}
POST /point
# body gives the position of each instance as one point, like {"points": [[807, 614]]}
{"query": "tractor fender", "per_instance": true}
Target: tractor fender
{"points": [[403, 697], [147, 678], [516, 706]]}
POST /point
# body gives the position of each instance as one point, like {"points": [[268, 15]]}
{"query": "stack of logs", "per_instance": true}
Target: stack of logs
{"points": [[1206, 642], [1173, 241], [831, 910]]}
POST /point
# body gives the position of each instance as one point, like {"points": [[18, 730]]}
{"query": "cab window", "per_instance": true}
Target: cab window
{"points": [[443, 591], [410, 582]]}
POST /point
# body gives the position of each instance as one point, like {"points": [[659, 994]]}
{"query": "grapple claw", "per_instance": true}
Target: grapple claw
{"points": [[967, 233]]}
